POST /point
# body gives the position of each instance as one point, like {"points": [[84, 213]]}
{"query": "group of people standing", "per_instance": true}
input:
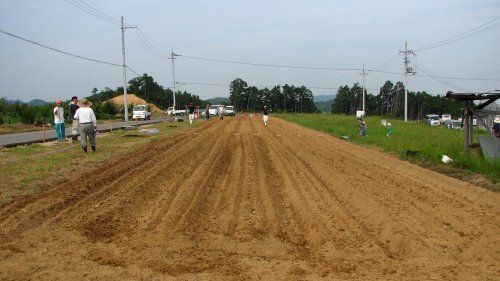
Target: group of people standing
{"points": [[83, 122], [221, 112]]}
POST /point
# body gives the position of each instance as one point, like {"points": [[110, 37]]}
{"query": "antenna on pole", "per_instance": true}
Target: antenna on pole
{"points": [[125, 103]]}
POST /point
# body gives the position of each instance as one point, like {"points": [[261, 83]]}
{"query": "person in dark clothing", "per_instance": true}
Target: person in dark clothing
{"points": [[207, 112], [265, 114], [73, 106], [496, 127], [191, 108]]}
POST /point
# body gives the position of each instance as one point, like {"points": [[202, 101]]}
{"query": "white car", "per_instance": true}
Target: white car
{"points": [[141, 111], [230, 110], [432, 119], [214, 109]]}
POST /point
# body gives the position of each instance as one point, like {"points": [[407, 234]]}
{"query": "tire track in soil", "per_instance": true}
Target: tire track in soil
{"points": [[235, 199]]}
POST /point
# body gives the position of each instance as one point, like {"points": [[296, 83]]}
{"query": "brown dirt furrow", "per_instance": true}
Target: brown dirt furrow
{"points": [[237, 200]]}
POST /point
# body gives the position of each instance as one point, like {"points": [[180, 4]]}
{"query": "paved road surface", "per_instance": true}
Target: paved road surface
{"points": [[236, 200], [33, 137]]}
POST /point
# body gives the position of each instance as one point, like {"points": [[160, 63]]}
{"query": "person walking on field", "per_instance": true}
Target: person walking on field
{"points": [[73, 106], [362, 127], [220, 110], [389, 130], [191, 109], [207, 112], [265, 115], [59, 121], [87, 123]]}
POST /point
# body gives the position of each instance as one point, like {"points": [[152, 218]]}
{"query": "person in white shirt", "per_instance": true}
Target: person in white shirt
{"points": [[59, 121], [221, 112], [87, 123]]}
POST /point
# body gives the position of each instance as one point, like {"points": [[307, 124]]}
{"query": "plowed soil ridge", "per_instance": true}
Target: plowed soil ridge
{"points": [[235, 199]]}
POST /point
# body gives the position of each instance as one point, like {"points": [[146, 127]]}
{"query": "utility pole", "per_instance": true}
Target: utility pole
{"points": [[172, 57], [407, 70], [125, 103], [363, 87]]}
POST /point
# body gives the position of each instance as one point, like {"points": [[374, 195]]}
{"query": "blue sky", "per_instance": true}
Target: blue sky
{"points": [[313, 33]]}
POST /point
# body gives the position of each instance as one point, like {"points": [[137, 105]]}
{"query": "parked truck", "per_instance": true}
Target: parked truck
{"points": [[142, 112]]}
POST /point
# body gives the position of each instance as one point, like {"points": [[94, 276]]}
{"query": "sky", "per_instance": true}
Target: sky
{"points": [[316, 33]]}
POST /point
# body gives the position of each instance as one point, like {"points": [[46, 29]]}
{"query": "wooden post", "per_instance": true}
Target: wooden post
{"points": [[471, 127], [469, 117], [43, 131]]}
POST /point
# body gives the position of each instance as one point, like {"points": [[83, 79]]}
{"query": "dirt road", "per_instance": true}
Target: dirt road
{"points": [[236, 200]]}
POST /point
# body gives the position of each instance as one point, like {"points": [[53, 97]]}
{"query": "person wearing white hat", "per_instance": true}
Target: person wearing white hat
{"points": [[496, 127], [87, 123], [59, 121], [389, 130]]}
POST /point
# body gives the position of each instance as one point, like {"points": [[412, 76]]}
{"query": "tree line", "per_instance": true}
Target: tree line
{"points": [[287, 98], [390, 102]]}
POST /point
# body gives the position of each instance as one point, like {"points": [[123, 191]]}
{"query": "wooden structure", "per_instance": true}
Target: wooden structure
{"points": [[471, 111]]}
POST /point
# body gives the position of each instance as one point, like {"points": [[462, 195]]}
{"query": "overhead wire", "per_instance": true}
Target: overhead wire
{"points": [[92, 11], [57, 50], [269, 65], [138, 35], [388, 63], [456, 25], [472, 32], [436, 77], [258, 86]]}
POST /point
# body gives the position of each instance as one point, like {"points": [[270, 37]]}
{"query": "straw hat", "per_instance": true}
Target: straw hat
{"points": [[497, 120], [84, 103]]}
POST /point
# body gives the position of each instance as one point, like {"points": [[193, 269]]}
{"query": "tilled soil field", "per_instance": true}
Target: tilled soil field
{"points": [[236, 200]]}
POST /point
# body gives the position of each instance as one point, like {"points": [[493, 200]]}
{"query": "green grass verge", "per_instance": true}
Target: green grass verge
{"points": [[430, 142], [26, 170]]}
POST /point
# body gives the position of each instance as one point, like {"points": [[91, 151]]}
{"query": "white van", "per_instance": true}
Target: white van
{"points": [[230, 110]]}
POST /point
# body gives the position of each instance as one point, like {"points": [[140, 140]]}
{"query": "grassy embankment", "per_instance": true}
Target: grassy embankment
{"points": [[26, 170], [430, 143]]}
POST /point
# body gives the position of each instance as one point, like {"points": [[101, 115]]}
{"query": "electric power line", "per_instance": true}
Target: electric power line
{"points": [[65, 53], [474, 31], [270, 65], [258, 86], [388, 63], [436, 77], [139, 36], [441, 77], [57, 50], [93, 11], [456, 25]]}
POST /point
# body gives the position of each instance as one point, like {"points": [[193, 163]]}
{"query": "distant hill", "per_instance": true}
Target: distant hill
{"points": [[325, 106], [34, 102], [37, 102], [218, 100], [322, 98]]}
